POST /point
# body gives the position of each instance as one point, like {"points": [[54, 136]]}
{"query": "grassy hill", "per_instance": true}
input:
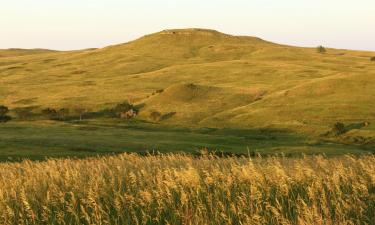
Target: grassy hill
{"points": [[13, 52], [199, 77]]}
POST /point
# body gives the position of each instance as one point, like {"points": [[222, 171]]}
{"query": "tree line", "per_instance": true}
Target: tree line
{"points": [[4, 117], [123, 110]]}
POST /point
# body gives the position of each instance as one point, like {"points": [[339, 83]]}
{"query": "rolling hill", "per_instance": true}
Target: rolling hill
{"points": [[200, 78]]}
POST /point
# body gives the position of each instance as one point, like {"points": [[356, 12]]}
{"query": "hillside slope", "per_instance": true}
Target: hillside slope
{"points": [[209, 79]]}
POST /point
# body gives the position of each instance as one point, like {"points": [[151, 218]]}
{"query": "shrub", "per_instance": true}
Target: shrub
{"points": [[125, 107], [372, 58], [63, 113], [155, 116], [321, 49], [56, 114], [81, 111], [338, 128], [192, 86], [24, 113], [3, 110], [4, 119], [158, 91], [167, 115], [50, 113], [3, 114]]}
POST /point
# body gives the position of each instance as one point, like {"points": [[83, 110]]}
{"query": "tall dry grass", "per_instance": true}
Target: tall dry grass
{"points": [[179, 189]]}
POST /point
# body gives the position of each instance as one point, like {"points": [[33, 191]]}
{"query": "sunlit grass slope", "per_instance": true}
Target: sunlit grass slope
{"points": [[237, 81], [21, 52], [181, 189]]}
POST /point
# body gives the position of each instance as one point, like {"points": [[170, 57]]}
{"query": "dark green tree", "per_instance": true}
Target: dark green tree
{"points": [[81, 112], [321, 49], [3, 114], [338, 128], [50, 113], [123, 107], [63, 113], [24, 113], [3, 110]]}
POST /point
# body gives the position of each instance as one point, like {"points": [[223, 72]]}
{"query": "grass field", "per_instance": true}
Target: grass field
{"points": [[38, 140], [180, 189]]}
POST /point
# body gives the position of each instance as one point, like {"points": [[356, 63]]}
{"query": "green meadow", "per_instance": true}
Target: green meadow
{"points": [[41, 140]]}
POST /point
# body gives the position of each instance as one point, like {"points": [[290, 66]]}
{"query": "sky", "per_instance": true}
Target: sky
{"points": [[79, 24]]}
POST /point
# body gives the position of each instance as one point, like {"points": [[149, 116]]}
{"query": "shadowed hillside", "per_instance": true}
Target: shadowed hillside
{"points": [[207, 78]]}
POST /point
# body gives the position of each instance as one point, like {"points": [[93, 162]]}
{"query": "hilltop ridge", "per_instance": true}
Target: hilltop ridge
{"points": [[199, 32]]}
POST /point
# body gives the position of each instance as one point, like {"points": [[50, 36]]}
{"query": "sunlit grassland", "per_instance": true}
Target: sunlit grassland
{"points": [[240, 81], [180, 189]]}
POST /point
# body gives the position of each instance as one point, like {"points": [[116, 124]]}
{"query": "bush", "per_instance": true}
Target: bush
{"points": [[167, 115], [124, 107], [155, 116], [4, 119], [81, 111], [338, 129], [24, 113], [372, 59], [158, 91], [50, 113], [3, 110], [56, 114], [321, 49], [63, 113], [3, 114]]}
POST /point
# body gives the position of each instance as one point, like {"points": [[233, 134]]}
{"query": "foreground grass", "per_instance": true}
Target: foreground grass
{"points": [[180, 189]]}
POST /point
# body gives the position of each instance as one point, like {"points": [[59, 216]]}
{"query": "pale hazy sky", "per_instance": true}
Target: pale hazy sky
{"points": [[77, 24]]}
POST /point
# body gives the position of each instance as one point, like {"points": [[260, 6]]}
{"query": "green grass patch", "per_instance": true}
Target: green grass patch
{"points": [[36, 140]]}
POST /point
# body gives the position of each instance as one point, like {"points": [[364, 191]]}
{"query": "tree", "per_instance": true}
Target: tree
{"points": [[50, 113], [338, 128], [24, 113], [63, 113], [3, 114], [123, 108], [321, 49], [81, 111], [3, 110], [54, 114]]}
